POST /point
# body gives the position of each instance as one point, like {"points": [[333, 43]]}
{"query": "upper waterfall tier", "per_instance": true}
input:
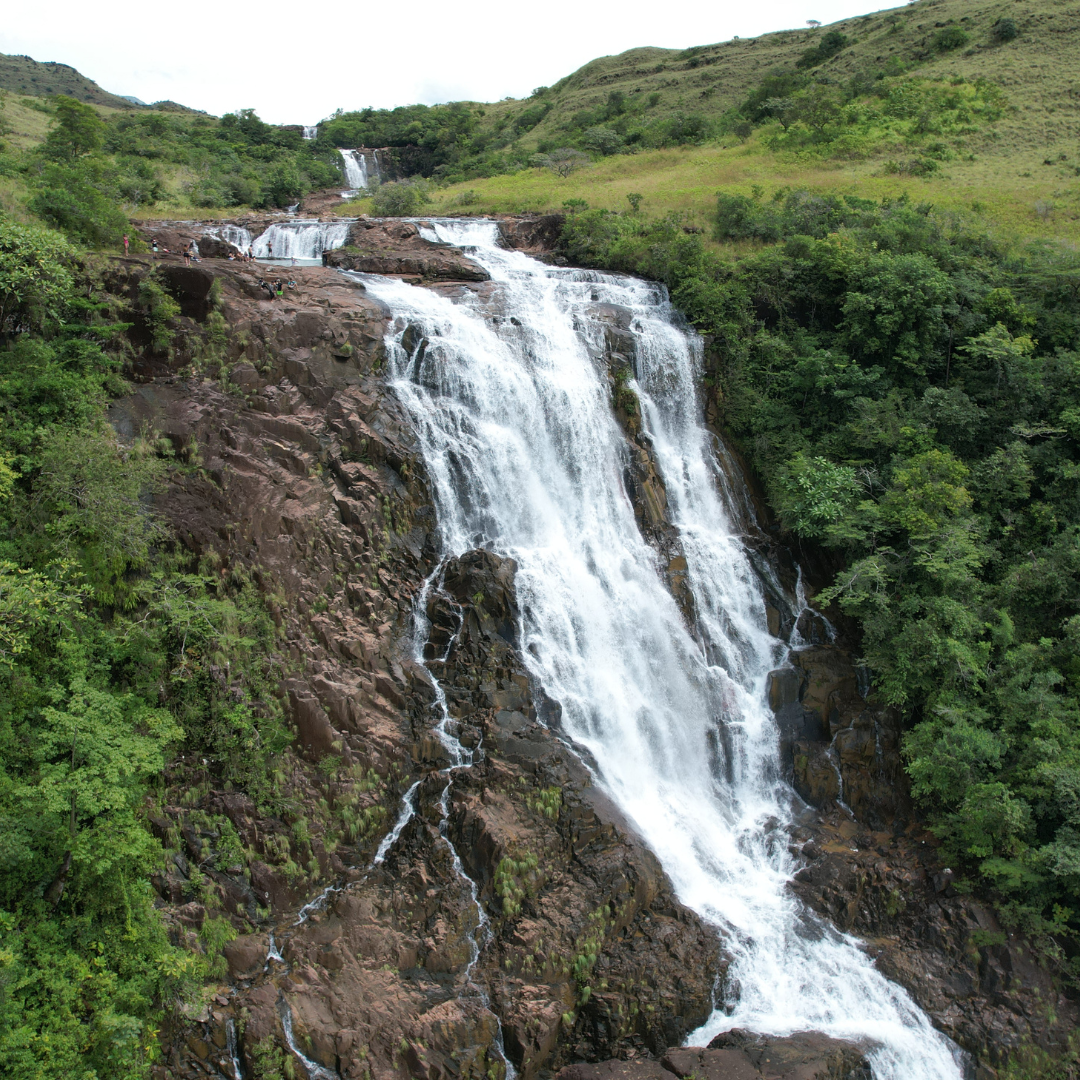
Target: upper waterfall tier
{"points": [[361, 169], [510, 396]]}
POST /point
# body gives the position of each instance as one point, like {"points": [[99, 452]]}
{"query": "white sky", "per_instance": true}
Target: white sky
{"points": [[296, 65]]}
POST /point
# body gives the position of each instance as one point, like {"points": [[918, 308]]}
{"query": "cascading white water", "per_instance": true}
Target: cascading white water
{"points": [[236, 235], [526, 459], [311, 131], [301, 239], [355, 169]]}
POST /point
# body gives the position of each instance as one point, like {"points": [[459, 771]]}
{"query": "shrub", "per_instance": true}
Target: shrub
{"points": [[829, 46], [1005, 30], [71, 198], [952, 37], [403, 198], [35, 283]]}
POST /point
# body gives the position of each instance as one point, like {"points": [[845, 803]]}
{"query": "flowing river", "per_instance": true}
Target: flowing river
{"points": [[511, 401]]}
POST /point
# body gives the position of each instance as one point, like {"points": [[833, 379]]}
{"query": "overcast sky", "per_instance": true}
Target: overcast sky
{"points": [[296, 63]]}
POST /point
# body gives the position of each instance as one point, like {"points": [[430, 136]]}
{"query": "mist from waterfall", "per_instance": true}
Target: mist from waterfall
{"points": [[526, 458]]}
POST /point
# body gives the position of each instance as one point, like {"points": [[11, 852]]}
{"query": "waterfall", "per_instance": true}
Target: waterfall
{"points": [[527, 459], [236, 235], [301, 239], [356, 170], [311, 132]]}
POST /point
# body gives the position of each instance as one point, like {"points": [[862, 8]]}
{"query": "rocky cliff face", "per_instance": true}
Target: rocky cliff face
{"points": [[302, 475]]}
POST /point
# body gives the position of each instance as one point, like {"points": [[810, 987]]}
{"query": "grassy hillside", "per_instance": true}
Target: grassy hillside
{"points": [[933, 100], [1014, 165], [22, 75], [1039, 70]]}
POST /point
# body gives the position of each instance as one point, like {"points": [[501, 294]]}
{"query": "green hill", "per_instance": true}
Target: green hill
{"points": [[23, 75], [1039, 69], [973, 105]]}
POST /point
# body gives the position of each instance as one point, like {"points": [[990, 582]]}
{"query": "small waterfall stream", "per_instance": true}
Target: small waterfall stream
{"points": [[526, 458], [301, 239], [361, 168], [460, 757], [236, 235]]}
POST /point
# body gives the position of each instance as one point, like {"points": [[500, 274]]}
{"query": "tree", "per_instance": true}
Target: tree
{"points": [[561, 162], [35, 282], [602, 140], [79, 130], [817, 106], [813, 493], [778, 108], [401, 199]]}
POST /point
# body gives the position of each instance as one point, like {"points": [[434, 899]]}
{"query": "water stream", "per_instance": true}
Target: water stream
{"points": [[526, 459], [361, 169], [460, 757]]}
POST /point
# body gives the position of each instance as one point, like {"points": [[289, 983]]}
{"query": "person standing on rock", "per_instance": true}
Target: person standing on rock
{"points": [[126, 242], [269, 249]]}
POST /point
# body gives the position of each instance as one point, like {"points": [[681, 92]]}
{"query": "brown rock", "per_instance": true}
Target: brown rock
{"points": [[246, 955], [615, 1070]]}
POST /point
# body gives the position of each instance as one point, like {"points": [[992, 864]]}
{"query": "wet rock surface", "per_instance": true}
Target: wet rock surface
{"points": [[297, 471], [740, 1055]]}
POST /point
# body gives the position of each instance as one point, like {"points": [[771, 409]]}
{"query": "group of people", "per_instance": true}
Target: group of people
{"points": [[239, 255], [276, 289], [190, 253]]}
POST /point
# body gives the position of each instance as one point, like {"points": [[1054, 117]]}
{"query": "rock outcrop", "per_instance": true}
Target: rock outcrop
{"points": [[740, 1055], [380, 246]]}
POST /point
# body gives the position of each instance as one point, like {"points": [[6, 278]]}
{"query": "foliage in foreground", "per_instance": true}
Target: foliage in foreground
{"points": [[108, 647], [910, 394]]}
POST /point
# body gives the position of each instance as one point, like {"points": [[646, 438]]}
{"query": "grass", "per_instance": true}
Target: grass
{"points": [[1026, 199], [1019, 174], [1039, 70]]}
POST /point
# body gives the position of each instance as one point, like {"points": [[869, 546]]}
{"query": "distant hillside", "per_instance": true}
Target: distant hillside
{"points": [[23, 75], [1039, 69]]}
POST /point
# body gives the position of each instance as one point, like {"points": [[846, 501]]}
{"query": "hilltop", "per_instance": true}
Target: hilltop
{"points": [[24, 75], [1039, 68]]}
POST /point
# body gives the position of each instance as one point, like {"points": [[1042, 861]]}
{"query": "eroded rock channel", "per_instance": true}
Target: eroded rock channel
{"points": [[307, 474]]}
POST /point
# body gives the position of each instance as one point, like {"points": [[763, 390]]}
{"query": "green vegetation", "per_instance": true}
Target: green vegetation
{"points": [[111, 650], [908, 389]]}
